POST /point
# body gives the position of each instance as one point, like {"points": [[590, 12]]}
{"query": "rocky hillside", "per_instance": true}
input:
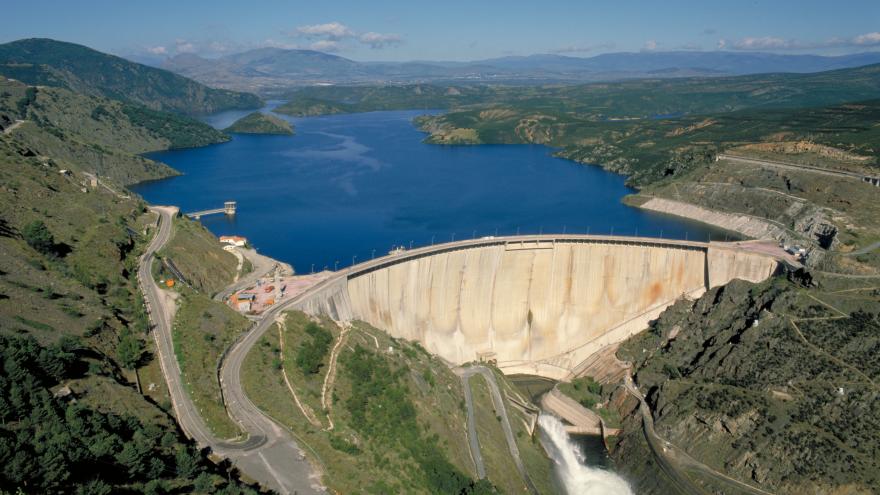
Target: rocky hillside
{"points": [[774, 385], [47, 62]]}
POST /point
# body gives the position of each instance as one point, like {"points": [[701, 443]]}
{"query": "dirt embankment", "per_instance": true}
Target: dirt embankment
{"points": [[746, 225]]}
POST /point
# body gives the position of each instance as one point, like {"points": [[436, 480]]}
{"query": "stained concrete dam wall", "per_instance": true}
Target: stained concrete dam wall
{"points": [[539, 305]]}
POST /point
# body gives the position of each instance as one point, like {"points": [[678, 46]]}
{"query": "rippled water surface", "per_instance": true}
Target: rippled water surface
{"points": [[348, 187]]}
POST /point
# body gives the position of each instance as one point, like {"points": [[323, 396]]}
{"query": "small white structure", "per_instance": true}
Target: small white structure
{"points": [[233, 240]]}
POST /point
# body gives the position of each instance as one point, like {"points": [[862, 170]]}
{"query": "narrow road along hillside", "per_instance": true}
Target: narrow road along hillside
{"points": [[268, 455], [498, 401]]}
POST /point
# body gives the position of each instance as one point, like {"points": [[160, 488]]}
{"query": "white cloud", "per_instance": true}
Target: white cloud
{"points": [[378, 41], [157, 50], [330, 30], [650, 45], [584, 48], [184, 46], [764, 43], [776, 43], [867, 39], [336, 36], [325, 46]]}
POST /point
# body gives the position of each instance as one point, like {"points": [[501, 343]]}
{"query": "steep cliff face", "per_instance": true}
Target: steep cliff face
{"points": [[769, 384]]}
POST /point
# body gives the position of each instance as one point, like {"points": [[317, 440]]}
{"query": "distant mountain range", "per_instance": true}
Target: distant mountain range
{"points": [[48, 62], [267, 70]]}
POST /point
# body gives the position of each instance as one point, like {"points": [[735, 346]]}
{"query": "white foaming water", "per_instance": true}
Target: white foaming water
{"points": [[577, 477]]}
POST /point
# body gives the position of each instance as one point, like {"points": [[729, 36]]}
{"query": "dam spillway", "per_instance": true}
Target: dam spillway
{"points": [[539, 305]]}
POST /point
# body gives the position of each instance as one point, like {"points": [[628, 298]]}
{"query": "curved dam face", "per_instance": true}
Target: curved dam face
{"points": [[538, 307]]}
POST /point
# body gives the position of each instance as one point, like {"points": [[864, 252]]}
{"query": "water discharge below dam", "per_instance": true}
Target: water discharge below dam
{"points": [[575, 476]]}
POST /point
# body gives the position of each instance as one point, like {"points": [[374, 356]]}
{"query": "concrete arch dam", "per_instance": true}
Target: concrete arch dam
{"points": [[539, 305]]}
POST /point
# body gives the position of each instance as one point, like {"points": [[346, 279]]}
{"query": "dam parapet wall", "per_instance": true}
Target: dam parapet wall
{"points": [[538, 305]]}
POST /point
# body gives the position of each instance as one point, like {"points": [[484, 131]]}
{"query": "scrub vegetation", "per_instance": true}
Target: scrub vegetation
{"points": [[195, 253], [397, 413], [769, 383], [203, 330], [73, 330]]}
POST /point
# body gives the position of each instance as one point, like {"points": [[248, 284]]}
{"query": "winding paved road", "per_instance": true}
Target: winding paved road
{"points": [[473, 441], [268, 455], [846, 174], [498, 401]]}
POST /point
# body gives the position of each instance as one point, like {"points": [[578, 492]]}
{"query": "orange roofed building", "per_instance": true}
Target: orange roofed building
{"points": [[233, 240]]}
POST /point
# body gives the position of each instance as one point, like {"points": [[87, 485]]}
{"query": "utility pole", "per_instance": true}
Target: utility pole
{"points": [[432, 238], [336, 266], [453, 237], [410, 244], [373, 255], [353, 259]]}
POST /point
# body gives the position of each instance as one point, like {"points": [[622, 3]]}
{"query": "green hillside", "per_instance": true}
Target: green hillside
{"points": [[73, 332], [96, 134], [634, 99], [261, 123], [47, 62], [393, 419], [773, 384], [649, 150]]}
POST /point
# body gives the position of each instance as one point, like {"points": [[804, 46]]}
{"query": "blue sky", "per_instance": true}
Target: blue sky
{"points": [[450, 29]]}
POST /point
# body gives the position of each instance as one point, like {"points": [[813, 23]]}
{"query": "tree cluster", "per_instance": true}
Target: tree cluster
{"points": [[49, 444]]}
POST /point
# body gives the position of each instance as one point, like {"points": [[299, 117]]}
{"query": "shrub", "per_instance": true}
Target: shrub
{"points": [[37, 235], [311, 353]]}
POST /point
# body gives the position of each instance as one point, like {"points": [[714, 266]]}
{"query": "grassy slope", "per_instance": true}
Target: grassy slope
{"points": [[378, 467], [755, 400], [493, 446], [76, 67], [199, 256], [90, 289], [261, 123], [93, 134], [203, 330], [85, 292]]}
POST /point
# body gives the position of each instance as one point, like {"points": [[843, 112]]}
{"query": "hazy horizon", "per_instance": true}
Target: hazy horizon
{"points": [[455, 31]]}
